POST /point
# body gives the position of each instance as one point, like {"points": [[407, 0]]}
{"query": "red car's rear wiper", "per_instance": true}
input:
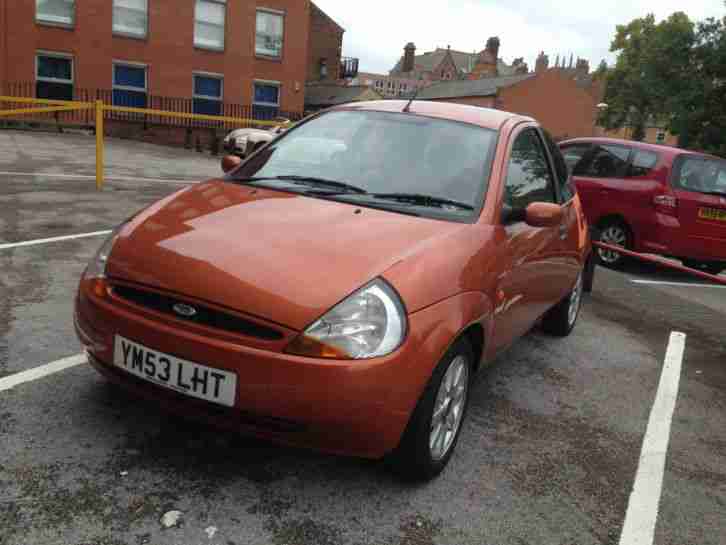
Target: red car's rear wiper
{"points": [[421, 200]]}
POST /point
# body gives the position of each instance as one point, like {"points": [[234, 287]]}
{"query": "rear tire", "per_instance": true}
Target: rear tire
{"points": [[616, 233], [560, 320], [422, 453]]}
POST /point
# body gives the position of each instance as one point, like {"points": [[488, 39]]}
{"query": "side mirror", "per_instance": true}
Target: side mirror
{"points": [[537, 214], [543, 214], [230, 162]]}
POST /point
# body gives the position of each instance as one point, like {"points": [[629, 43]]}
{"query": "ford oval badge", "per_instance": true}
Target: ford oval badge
{"points": [[184, 310]]}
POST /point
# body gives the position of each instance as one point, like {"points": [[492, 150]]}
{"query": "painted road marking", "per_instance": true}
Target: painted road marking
{"points": [[52, 239], [642, 513], [108, 178], [684, 284], [39, 372]]}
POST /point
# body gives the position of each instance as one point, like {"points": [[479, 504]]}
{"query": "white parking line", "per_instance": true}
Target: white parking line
{"points": [[108, 178], [39, 372], [52, 239], [684, 284], [642, 513]]}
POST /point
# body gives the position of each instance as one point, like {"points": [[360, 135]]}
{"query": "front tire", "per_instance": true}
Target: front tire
{"points": [[560, 320], [433, 430]]}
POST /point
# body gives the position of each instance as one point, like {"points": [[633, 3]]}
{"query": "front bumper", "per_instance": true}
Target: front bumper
{"points": [[357, 408]]}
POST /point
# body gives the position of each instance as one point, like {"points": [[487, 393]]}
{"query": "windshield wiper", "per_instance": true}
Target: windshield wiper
{"points": [[311, 181], [422, 200]]}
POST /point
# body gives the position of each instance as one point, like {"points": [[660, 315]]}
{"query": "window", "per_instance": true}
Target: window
{"points": [[699, 174], [269, 32], [130, 17], [209, 24], [573, 154], [528, 174], [562, 173], [643, 162], [266, 100], [55, 12], [129, 85], [207, 94], [604, 162], [54, 76]]}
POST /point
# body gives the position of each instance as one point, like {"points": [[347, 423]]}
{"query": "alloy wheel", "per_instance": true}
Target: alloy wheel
{"points": [[575, 300], [615, 235], [449, 408]]}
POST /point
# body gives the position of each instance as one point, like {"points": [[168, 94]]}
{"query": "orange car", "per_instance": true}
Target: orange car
{"points": [[340, 288]]}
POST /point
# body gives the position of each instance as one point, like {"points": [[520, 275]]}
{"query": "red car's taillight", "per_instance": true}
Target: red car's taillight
{"points": [[666, 204]]}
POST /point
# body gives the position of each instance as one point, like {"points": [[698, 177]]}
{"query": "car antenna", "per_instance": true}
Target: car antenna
{"points": [[407, 107]]}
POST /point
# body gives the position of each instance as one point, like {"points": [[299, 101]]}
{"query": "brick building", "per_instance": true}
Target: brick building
{"points": [[247, 52], [325, 61], [563, 99]]}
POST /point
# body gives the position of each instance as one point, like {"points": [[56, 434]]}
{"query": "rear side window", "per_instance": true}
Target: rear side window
{"points": [[605, 161], [562, 173], [643, 162], [528, 174]]}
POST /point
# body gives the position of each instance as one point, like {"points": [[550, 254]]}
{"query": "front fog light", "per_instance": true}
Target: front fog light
{"points": [[368, 324]]}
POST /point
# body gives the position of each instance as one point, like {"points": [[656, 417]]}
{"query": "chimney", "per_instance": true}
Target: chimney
{"points": [[493, 48], [409, 54], [582, 68], [543, 63]]}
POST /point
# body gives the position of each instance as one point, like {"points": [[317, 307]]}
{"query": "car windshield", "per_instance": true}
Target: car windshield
{"points": [[390, 160], [701, 175]]}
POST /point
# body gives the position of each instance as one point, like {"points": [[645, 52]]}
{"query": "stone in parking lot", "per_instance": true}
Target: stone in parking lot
{"points": [[210, 531], [171, 519]]}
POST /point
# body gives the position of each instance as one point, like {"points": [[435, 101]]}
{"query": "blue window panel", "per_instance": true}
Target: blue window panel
{"points": [[54, 91], [210, 87], [264, 112], [131, 99], [129, 76], [207, 107], [54, 67], [269, 94]]}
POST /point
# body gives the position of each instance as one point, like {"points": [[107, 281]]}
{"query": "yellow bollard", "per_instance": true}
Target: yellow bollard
{"points": [[99, 144]]}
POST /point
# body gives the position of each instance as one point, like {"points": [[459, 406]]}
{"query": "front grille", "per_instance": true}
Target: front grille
{"points": [[204, 315]]}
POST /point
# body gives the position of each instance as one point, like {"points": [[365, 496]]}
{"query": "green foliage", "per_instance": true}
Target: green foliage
{"points": [[672, 73]]}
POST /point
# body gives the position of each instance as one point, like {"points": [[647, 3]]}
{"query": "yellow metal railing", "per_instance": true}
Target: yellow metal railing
{"points": [[50, 106]]}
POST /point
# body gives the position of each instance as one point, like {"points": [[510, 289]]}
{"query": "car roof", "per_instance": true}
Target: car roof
{"points": [[670, 151], [488, 118]]}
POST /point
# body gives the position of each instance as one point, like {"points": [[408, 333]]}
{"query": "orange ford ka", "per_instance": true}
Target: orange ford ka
{"points": [[340, 287]]}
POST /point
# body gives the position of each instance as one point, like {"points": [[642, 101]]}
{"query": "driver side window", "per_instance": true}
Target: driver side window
{"points": [[528, 173]]}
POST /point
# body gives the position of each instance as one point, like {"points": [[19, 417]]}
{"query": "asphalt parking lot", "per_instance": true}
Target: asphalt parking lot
{"points": [[549, 453]]}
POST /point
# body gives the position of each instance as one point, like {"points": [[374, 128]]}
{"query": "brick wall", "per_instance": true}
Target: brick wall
{"points": [[556, 100], [326, 42], [168, 50]]}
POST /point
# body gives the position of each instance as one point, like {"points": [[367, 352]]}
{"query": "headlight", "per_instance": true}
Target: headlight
{"points": [[97, 266], [368, 324]]}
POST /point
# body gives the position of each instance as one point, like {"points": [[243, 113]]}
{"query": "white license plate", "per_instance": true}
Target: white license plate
{"points": [[183, 376]]}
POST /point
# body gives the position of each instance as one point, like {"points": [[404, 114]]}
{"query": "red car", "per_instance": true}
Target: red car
{"points": [[652, 199]]}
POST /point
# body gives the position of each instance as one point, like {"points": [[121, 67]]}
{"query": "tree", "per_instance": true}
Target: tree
{"points": [[653, 66]]}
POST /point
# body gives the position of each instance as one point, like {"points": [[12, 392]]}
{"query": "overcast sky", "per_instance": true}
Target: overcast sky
{"points": [[377, 30]]}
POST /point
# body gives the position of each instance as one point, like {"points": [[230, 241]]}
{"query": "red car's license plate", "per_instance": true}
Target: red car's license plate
{"points": [[715, 214]]}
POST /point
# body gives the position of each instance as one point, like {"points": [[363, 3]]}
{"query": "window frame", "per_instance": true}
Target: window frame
{"points": [[121, 33], [59, 24], [271, 11], [56, 55], [553, 186], [274, 83], [132, 64], [567, 182], [224, 27], [209, 75]]}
